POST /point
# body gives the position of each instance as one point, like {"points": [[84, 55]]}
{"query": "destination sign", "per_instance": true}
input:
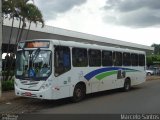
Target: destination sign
{"points": [[37, 44]]}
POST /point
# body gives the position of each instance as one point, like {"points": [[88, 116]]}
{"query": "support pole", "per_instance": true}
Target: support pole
{"points": [[0, 48]]}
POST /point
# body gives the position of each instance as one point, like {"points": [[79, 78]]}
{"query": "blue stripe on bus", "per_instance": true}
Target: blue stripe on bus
{"points": [[97, 71]]}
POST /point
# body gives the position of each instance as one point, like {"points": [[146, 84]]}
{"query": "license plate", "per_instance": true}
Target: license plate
{"points": [[28, 94]]}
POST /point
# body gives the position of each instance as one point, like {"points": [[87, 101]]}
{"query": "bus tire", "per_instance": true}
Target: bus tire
{"points": [[79, 93], [149, 74], [127, 85]]}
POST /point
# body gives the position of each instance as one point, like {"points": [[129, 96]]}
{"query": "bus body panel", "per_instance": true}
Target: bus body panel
{"points": [[95, 78]]}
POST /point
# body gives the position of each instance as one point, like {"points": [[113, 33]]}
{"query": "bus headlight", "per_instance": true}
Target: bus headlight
{"points": [[45, 85], [42, 87]]}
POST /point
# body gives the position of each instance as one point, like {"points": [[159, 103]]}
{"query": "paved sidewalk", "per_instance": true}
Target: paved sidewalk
{"points": [[154, 77], [11, 104], [8, 96]]}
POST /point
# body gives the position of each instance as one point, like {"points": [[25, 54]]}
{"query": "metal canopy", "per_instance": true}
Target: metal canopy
{"points": [[48, 32]]}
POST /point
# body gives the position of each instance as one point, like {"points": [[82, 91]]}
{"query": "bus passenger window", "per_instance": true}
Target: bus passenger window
{"points": [[79, 57], [94, 58], [141, 60], [62, 62], [107, 58], [117, 58], [126, 59], [134, 59]]}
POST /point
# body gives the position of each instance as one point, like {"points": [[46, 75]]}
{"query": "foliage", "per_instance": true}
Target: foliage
{"points": [[156, 49], [7, 85], [8, 70], [22, 11], [28, 12], [4, 73], [8, 8], [34, 14], [152, 58]]}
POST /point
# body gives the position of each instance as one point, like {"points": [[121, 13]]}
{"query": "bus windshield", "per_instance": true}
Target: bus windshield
{"points": [[33, 64]]}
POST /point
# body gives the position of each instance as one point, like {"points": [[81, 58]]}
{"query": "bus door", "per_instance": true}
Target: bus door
{"points": [[62, 66]]}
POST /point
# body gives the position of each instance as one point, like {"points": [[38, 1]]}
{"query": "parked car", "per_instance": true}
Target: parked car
{"points": [[149, 72], [156, 70]]}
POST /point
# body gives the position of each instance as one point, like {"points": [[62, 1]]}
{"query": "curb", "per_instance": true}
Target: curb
{"points": [[149, 78]]}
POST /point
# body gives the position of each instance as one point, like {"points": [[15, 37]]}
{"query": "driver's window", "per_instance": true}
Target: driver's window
{"points": [[62, 60]]}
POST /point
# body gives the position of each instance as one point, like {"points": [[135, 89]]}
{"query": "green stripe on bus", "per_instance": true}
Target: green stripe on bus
{"points": [[106, 74], [103, 75], [131, 70]]}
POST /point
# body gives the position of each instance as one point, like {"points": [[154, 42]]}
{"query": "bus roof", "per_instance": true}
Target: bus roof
{"points": [[88, 45]]}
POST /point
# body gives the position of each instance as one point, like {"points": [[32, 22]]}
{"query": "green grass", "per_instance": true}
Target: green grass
{"points": [[7, 85]]}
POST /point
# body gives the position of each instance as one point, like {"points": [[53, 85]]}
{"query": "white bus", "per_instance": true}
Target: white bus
{"points": [[55, 69]]}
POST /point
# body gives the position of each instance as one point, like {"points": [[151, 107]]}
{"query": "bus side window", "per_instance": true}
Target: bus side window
{"points": [[79, 57], [117, 58], [126, 59], [62, 61], [134, 59], [107, 58], [141, 60], [94, 58]]}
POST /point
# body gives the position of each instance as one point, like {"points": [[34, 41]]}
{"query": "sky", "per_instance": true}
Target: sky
{"points": [[136, 21]]}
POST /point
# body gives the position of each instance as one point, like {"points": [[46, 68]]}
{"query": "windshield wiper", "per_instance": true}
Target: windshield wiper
{"points": [[32, 58], [23, 52], [36, 54]]}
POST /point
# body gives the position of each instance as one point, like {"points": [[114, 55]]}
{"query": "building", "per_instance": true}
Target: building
{"points": [[48, 32]]}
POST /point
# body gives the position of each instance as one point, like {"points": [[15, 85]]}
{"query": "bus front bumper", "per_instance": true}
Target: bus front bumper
{"points": [[44, 94]]}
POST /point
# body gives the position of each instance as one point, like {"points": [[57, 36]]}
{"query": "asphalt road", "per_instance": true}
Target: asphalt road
{"points": [[144, 98]]}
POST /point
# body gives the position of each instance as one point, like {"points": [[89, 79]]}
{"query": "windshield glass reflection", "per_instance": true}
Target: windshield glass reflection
{"points": [[33, 63]]}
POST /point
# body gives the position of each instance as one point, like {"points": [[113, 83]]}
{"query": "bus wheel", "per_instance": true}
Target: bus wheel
{"points": [[148, 74], [127, 85], [79, 93]]}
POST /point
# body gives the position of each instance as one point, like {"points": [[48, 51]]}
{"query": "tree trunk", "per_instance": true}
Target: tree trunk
{"points": [[17, 37], [9, 42], [8, 69], [21, 32], [28, 30], [15, 47], [18, 33]]}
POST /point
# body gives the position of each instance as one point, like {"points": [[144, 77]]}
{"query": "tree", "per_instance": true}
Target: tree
{"points": [[23, 11], [9, 11], [154, 58], [29, 12], [151, 59], [156, 48], [34, 16]]}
